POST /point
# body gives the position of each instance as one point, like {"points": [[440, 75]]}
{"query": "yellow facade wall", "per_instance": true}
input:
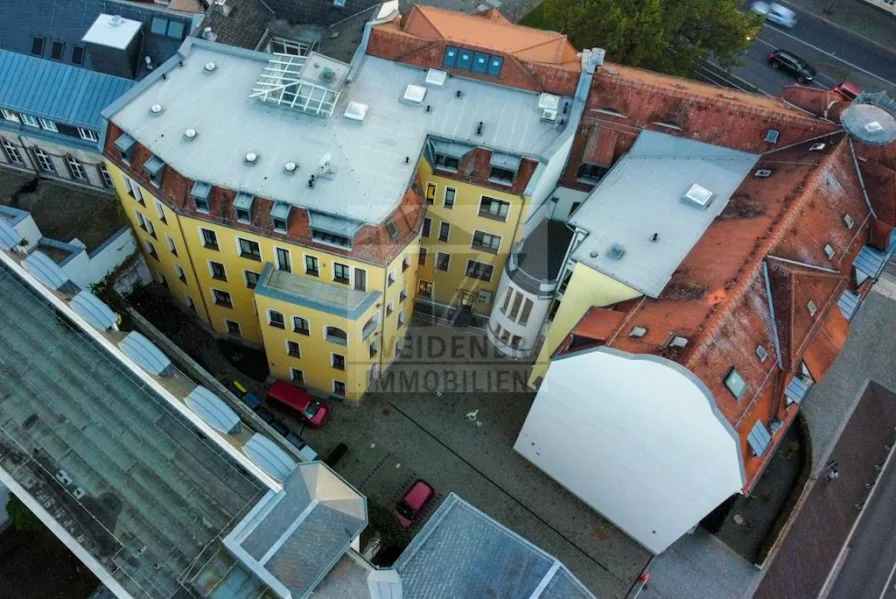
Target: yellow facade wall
{"points": [[169, 254], [586, 288], [464, 220]]}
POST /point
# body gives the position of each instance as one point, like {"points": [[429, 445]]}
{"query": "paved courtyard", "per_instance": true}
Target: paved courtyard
{"points": [[462, 442]]}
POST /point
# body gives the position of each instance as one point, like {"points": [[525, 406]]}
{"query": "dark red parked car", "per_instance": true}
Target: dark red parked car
{"points": [[297, 403], [413, 502]]}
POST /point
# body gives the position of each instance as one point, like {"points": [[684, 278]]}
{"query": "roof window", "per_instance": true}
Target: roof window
{"points": [[763, 173], [678, 341], [762, 353], [829, 251], [468, 60], [243, 206], [849, 221], [436, 78], [736, 383], [813, 309], [772, 136], [698, 195], [392, 228], [356, 111], [759, 438], [414, 94], [638, 332]]}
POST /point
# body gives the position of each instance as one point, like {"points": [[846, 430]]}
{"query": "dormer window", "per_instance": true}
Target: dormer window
{"points": [[503, 168], [200, 193], [155, 168], [447, 163], [242, 205], [125, 145]]}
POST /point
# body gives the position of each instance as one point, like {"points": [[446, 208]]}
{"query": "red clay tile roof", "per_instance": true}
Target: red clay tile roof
{"points": [[811, 99], [719, 298], [599, 323], [488, 31]]}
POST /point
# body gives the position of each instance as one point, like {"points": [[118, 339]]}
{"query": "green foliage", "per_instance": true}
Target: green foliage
{"points": [[668, 36], [384, 520], [21, 517]]}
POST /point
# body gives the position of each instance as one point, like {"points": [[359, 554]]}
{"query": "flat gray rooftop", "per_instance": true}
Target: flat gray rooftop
{"points": [[642, 195], [155, 491], [461, 552], [369, 156]]}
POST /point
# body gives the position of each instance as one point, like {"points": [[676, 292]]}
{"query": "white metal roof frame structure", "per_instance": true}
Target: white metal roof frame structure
{"points": [[281, 84]]}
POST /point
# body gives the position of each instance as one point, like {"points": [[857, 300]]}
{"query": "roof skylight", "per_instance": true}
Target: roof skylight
{"points": [[435, 77], [699, 195], [356, 111], [414, 94], [281, 83]]}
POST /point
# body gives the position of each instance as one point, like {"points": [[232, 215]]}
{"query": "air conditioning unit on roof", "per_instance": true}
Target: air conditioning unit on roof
{"points": [[549, 114]]}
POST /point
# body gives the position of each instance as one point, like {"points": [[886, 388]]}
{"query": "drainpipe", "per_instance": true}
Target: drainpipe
{"points": [[208, 314], [27, 153]]}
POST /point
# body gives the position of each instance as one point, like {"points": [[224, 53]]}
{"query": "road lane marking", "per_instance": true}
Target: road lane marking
{"points": [[826, 53], [887, 585]]}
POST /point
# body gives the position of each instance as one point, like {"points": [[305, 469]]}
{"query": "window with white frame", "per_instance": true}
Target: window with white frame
{"points": [[391, 278], [284, 262], [251, 279], [297, 376], [338, 387], [341, 273], [404, 294], [180, 273], [233, 327], [249, 249], [443, 261], [401, 317], [486, 242], [43, 159], [76, 168], [300, 325], [133, 189], [171, 245], [209, 239], [88, 134], [12, 153], [10, 115], [146, 224], [450, 193], [336, 335], [360, 279], [493, 208], [105, 175], [444, 231], [312, 267], [29, 120], [390, 307], [151, 250], [276, 320], [217, 270], [48, 125], [222, 298], [478, 270], [405, 263], [160, 210]]}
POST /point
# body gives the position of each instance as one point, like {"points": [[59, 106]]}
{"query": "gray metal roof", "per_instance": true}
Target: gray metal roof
{"points": [[369, 157], [155, 491], [461, 552], [642, 195], [291, 539]]}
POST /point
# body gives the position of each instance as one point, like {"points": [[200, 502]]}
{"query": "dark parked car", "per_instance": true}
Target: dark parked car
{"points": [[791, 64], [413, 502], [281, 428]]}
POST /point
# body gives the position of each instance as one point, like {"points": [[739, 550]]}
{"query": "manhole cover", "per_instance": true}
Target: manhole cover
{"points": [[386, 411]]}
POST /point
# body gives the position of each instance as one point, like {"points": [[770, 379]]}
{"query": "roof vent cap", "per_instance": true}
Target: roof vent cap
{"points": [[617, 251], [678, 341], [698, 195], [327, 74], [817, 147], [873, 127], [190, 134], [210, 66], [549, 115], [356, 111], [763, 173], [115, 21], [156, 109], [638, 332], [436, 78], [549, 101], [290, 167], [414, 94], [251, 157], [593, 254]]}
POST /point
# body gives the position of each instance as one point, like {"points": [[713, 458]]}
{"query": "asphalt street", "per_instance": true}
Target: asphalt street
{"points": [[869, 569], [836, 54]]}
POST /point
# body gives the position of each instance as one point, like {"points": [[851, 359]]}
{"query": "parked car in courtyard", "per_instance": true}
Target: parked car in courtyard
{"points": [[793, 65], [847, 90], [297, 403], [775, 13], [413, 502]]}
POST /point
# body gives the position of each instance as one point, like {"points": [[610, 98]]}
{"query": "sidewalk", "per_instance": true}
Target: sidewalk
{"points": [[858, 17]]}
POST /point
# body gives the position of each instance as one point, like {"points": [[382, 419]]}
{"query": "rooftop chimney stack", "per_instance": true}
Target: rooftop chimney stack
{"points": [[593, 58], [208, 34]]}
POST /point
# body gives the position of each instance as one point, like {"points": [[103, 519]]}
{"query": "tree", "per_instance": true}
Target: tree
{"points": [[21, 517], [668, 36]]}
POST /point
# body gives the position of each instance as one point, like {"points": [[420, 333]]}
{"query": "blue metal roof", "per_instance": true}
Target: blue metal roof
{"points": [[55, 91], [797, 390], [759, 438], [848, 303]]}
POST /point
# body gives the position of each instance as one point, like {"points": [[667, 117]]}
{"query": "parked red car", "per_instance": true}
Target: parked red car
{"points": [[413, 502], [847, 90], [297, 403]]}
